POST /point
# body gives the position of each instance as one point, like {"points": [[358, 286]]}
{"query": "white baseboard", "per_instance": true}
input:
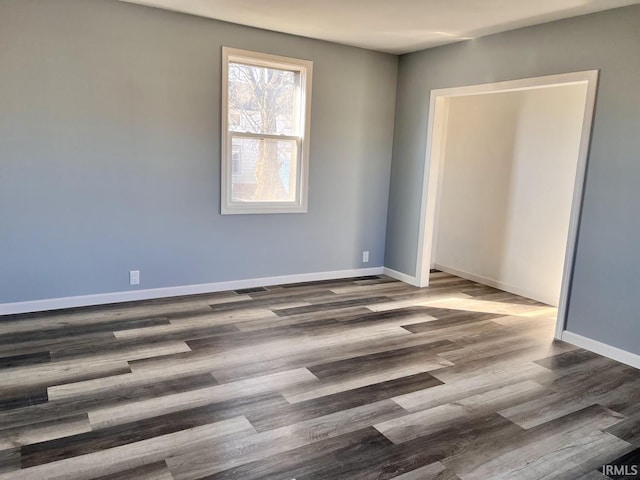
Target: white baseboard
{"points": [[403, 277], [148, 294], [499, 285], [603, 349]]}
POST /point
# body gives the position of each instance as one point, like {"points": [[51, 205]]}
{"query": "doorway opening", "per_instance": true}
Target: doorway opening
{"points": [[448, 101]]}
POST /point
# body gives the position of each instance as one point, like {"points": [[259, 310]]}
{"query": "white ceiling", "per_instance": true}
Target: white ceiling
{"points": [[395, 26]]}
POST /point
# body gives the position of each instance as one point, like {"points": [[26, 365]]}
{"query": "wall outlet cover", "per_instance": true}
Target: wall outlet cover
{"points": [[134, 277]]}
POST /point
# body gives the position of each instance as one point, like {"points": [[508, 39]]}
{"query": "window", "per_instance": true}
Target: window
{"points": [[266, 103]]}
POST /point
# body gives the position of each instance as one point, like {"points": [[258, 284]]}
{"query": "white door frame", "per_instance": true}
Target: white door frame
{"points": [[436, 135]]}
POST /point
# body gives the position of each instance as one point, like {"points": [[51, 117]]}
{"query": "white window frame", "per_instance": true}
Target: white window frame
{"points": [[305, 69]]}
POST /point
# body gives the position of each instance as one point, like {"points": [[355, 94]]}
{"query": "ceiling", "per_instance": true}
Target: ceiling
{"points": [[395, 26]]}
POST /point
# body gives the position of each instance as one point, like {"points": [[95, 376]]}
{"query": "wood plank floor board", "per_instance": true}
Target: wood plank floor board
{"points": [[138, 310], [316, 407], [287, 295], [358, 378], [602, 387], [377, 279], [628, 429], [481, 349], [510, 354], [402, 315], [555, 457], [90, 366], [360, 463], [57, 374], [317, 307], [295, 294], [590, 419], [447, 318], [219, 357], [71, 331], [25, 359], [508, 298], [434, 471], [499, 361], [129, 349], [394, 287], [363, 364], [465, 303], [374, 456], [128, 387], [424, 422], [344, 281], [230, 340], [117, 386], [266, 323], [297, 462], [475, 385], [13, 327], [309, 391], [484, 291], [154, 471], [417, 299], [436, 290], [62, 406], [122, 434], [138, 454], [492, 294], [317, 357], [12, 400], [178, 331], [250, 290], [574, 358], [360, 296], [44, 431], [228, 316], [264, 301], [36, 344], [157, 406], [10, 460], [198, 463]]}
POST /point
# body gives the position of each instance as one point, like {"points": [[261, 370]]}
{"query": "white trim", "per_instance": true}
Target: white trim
{"points": [[268, 136], [429, 186], [496, 284], [119, 297], [532, 83], [438, 106], [442, 128], [403, 277], [305, 68], [603, 349], [576, 202]]}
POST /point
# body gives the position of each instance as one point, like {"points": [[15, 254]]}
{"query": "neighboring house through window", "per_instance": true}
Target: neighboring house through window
{"points": [[236, 159]]}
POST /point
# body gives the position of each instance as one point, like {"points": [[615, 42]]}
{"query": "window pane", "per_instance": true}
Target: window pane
{"points": [[236, 157], [262, 100], [266, 170]]}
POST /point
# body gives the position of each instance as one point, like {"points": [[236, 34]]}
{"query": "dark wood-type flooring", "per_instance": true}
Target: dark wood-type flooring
{"points": [[364, 378]]}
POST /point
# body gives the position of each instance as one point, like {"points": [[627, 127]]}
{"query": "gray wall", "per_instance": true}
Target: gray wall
{"points": [[110, 153], [603, 297]]}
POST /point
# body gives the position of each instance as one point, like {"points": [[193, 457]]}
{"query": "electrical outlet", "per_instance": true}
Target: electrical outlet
{"points": [[134, 277], [365, 256]]}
